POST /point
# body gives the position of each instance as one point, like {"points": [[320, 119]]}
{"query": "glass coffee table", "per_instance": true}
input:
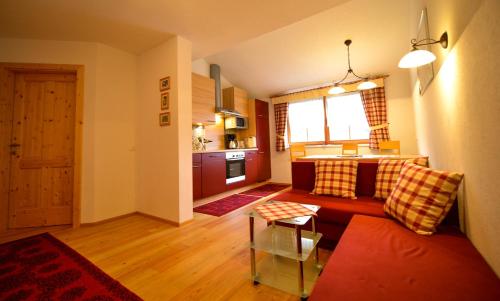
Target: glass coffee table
{"points": [[287, 263]]}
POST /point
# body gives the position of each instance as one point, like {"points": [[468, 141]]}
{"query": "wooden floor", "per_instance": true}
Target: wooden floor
{"points": [[206, 259]]}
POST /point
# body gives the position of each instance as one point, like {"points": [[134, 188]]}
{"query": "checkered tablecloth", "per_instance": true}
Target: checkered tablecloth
{"points": [[282, 210]]}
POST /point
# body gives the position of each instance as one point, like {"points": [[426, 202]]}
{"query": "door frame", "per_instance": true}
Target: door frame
{"points": [[7, 76]]}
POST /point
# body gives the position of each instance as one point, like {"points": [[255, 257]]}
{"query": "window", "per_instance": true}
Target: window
{"points": [[345, 120], [307, 121]]}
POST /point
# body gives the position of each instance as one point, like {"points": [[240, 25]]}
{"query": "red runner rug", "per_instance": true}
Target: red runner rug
{"points": [[266, 189], [235, 201], [43, 268], [225, 205]]}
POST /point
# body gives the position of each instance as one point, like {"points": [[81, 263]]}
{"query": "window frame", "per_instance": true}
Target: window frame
{"points": [[327, 140]]}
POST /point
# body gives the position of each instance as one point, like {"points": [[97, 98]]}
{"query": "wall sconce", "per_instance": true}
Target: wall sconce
{"points": [[419, 57]]}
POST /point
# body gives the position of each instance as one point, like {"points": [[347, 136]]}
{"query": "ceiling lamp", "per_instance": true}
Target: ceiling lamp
{"points": [[419, 57], [365, 81]]}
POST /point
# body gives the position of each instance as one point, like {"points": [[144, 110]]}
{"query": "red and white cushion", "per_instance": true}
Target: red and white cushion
{"points": [[336, 178], [282, 210], [422, 197], [388, 173]]}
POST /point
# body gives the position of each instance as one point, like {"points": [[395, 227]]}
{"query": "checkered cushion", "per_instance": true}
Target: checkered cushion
{"points": [[388, 173], [282, 210], [336, 178], [422, 197]]}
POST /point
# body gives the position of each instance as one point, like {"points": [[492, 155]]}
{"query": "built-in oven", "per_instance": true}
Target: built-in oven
{"points": [[235, 167]]}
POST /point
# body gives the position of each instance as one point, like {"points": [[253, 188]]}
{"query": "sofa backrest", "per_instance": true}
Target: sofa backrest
{"points": [[304, 177]]}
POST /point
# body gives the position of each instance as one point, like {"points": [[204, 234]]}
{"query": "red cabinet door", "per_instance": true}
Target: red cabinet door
{"points": [[251, 167], [263, 141], [197, 193], [213, 173]]}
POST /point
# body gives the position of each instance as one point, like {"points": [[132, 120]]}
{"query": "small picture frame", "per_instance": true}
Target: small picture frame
{"points": [[165, 119], [164, 101], [165, 84]]}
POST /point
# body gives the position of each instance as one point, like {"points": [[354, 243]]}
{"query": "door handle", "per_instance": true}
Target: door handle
{"points": [[13, 148]]}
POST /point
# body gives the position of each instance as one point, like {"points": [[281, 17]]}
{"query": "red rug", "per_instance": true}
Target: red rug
{"points": [[225, 205], [266, 189], [43, 268]]}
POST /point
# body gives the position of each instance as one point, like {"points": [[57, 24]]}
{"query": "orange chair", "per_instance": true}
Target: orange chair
{"points": [[349, 148], [297, 150], [390, 145]]}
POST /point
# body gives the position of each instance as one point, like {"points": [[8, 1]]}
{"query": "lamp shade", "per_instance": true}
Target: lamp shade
{"points": [[416, 58], [365, 85], [336, 90]]}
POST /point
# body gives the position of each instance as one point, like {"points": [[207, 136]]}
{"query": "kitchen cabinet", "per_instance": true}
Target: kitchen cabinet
{"points": [[263, 141], [213, 173], [251, 167], [197, 192], [236, 99], [203, 95]]}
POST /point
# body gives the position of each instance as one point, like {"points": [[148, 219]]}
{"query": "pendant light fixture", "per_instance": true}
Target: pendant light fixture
{"points": [[365, 84], [419, 57]]}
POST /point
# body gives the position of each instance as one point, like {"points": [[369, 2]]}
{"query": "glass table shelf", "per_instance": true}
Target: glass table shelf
{"points": [[281, 273], [282, 241]]}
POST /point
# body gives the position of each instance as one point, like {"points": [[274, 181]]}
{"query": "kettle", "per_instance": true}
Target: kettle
{"points": [[232, 144]]}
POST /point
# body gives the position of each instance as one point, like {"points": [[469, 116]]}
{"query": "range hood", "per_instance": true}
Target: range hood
{"points": [[219, 107]]}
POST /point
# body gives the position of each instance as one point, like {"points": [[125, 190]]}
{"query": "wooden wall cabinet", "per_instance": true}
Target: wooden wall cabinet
{"points": [[203, 94], [236, 99], [197, 183], [213, 173], [263, 140]]}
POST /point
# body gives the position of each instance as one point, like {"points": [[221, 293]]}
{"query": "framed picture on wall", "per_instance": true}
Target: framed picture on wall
{"points": [[164, 101], [165, 119], [425, 73], [165, 84]]}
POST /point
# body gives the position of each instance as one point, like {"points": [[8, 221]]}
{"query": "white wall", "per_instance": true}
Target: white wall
{"points": [[164, 171], [458, 116], [202, 67], [400, 115], [107, 168], [114, 136]]}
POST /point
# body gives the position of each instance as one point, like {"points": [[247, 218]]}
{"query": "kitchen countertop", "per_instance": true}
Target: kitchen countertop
{"points": [[226, 150], [369, 158]]}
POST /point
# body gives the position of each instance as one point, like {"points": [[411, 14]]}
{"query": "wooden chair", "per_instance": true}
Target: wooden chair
{"points": [[349, 148], [297, 150], [390, 145]]}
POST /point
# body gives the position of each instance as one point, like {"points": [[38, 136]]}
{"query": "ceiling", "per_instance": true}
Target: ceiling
{"points": [[312, 51], [138, 25]]}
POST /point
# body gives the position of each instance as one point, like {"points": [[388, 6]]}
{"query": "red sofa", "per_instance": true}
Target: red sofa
{"points": [[336, 212], [379, 259]]}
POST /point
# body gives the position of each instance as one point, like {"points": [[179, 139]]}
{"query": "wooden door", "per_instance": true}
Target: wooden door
{"points": [[263, 143], [42, 150], [213, 173]]}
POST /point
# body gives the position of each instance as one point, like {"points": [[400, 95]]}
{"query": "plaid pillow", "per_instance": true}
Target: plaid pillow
{"points": [[336, 178], [422, 197], [388, 173]]}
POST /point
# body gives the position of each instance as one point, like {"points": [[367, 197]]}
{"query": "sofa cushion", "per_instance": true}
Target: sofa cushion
{"points": [[422, 197], [335, 209], [378, 259], [336, 178], [303, 177], [388, 173]]}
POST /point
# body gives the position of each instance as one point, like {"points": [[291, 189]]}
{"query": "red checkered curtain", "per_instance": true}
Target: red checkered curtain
{"points": [[376, 115], [280, 117]]}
